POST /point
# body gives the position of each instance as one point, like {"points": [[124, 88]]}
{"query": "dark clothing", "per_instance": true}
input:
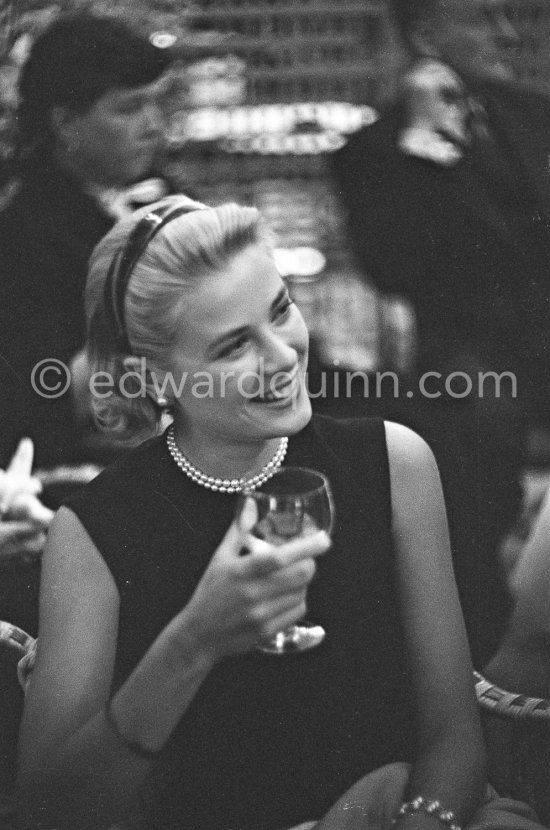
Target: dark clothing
{"points": [[469, 246], [267, 742], [47, 234]]}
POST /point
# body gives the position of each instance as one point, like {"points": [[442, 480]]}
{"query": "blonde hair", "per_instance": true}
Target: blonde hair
{"points": [[188, 247]]}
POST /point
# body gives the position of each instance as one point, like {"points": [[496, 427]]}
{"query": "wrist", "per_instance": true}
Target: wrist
{"points": [[420, 811], [152, 701], [418, 821], [192, 640], [134, 745]]}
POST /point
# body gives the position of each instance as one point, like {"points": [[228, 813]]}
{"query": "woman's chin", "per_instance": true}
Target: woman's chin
{"points": [[303, 414], [283, 417]]}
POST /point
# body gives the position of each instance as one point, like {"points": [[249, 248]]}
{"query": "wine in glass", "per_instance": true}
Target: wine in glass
{"points": [[296, 502]]}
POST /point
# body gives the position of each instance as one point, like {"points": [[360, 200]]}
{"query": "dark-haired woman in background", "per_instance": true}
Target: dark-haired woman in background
{"points": [[88, 125]]}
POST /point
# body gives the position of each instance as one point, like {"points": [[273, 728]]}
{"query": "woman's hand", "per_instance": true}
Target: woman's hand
{"points": [[530, 580], [23, 518], [522, 661], [251, 589], [372, 802], [17, 478], [20, 539], [23, 530]]}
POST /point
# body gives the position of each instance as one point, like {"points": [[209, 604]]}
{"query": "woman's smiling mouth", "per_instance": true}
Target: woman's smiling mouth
{"points": [[281, 392]]}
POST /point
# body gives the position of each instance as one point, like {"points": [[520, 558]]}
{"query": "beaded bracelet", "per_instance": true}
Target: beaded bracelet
{"points": [[509, 704], [419, 804], [133, 746]]}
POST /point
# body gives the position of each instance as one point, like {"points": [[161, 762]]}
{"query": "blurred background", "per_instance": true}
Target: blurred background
{"points": [[263, 91]]}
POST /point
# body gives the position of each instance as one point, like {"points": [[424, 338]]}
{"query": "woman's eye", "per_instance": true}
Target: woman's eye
{"points": [[234, 347], [283, 310]]}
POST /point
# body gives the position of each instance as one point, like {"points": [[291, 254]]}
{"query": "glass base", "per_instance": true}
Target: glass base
{"points": [[299, 637]]}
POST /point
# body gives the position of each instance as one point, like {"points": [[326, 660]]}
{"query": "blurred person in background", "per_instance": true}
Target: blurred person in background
{"points": [[89, 133], [24, 521], [516, 693], [448, 198]]}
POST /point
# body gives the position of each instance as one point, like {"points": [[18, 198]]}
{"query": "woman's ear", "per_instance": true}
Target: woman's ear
{"points": [[151, 380]]}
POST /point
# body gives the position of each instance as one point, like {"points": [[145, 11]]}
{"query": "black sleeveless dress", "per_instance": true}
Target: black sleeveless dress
{"points": [[268, 741]]}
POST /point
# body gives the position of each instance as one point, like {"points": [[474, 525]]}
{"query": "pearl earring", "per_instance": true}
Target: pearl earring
{"points": [[162, 402]]}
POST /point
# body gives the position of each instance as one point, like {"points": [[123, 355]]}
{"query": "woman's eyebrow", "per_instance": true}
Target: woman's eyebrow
{"points": [[228, 335], [234, 333]]}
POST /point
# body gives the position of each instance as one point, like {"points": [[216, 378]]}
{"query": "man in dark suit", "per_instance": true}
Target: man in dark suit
{"points": [[448, 197]]}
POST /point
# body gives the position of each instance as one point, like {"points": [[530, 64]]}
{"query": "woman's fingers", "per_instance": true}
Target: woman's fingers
{"points": [[270, 616], [371, 802], [17, 530], [248, 515], [251, 588], [20, 539], [17, 478], [34, 544], [26, 507], [303, 546], [293, 577], [266, 559], [21, 462], [283, 620]]}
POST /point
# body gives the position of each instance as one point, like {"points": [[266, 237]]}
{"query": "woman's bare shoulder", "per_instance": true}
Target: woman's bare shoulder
{"points": [[406, 448]]}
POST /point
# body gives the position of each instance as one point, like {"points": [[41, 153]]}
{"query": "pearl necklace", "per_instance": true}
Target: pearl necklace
{"points": [[225, 485]]}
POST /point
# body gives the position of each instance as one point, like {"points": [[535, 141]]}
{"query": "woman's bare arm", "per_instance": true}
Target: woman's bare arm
{"points": [[450, 764], [74, 769], [521, 665], [522, 662]]}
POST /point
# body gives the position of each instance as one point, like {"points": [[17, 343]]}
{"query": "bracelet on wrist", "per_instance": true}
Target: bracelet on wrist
{"points": [[509, 704], [133, 746], [433, 808]]}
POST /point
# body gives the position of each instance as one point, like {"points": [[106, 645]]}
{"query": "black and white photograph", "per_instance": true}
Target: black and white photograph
{"points": [[274, 414]]}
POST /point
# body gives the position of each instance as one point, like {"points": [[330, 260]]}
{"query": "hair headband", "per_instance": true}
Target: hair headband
{"points": [[124, 262]]}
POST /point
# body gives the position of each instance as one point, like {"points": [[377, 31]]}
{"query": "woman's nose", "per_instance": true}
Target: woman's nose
{"points": [[279, 354]]}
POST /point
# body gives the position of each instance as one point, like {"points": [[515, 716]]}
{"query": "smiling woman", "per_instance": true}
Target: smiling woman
{"points": [[149, 697], [225, 347]]}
